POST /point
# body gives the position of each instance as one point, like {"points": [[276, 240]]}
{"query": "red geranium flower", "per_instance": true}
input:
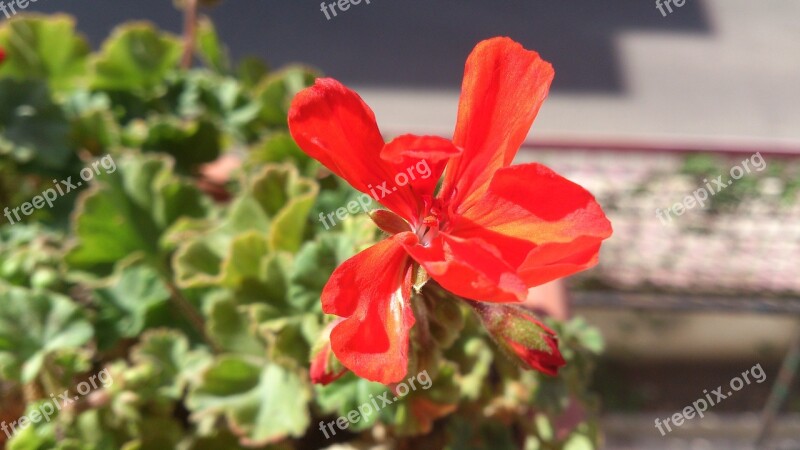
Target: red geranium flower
{"points": [[2, 55], [491, 231]]}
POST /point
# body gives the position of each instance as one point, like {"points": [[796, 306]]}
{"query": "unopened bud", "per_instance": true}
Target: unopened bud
{"points": [[522, 335], [325, 368]]}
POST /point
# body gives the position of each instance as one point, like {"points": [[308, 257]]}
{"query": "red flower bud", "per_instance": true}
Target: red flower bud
{"points": [[325, 368], [521, 335], [2, 55]]}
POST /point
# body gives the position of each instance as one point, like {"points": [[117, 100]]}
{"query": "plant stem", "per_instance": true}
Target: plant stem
{"points": [[191, 314], [189, 33]]}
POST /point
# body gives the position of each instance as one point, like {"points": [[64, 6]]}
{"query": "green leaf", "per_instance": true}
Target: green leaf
{"points": [[269, 216], [429, 398], [197, 265], [222, 439], [34, 325], [291, 336], [93, 125], [313, 266], [36, 436], [476, 372], [136, 57], [202, 95], [133, 300], [279, 148], [579, 442], [213, 52], [445, 319], [251, 71], [33, 129], [128, 211], [244, 263], [262, 402], [45, 49], [277, 91], [232, 326], [347, 394], [30, 256], [190, 142], [289, 197], [173, 364]]}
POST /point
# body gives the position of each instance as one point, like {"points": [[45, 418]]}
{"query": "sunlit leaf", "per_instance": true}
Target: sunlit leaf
{"points": [[136, 57], [261, 402], [34, 325], [45, 49]]}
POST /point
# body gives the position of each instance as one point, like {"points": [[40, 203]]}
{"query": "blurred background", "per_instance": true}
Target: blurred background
{"points": [[645, 108]]}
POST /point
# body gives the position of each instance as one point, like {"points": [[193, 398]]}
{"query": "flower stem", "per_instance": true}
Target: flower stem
{"points": [[189, 33], [191, 314]]}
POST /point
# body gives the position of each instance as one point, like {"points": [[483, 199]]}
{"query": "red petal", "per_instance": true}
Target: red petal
{"points": [[504, 86], [545, 362], [334, 126], [469, 268], [422, 158], [373, 291], [325, 368], [320, 371], [544, 225]]}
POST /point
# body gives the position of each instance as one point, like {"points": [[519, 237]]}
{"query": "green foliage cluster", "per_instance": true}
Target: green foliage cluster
{"points": [[198, 294]]}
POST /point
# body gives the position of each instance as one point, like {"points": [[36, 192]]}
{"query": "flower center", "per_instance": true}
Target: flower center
{"points": [[432, 219]]}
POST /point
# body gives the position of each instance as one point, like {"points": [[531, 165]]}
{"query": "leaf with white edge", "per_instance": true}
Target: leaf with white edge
{"points": [[291, 337], [313, 266], [232, 326], [262, 402], [274, 207], [286, 199], [128, 211], [244, 261], [174, 364], [34, 325], [134, 299], [136, 57], [44, 48]]}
